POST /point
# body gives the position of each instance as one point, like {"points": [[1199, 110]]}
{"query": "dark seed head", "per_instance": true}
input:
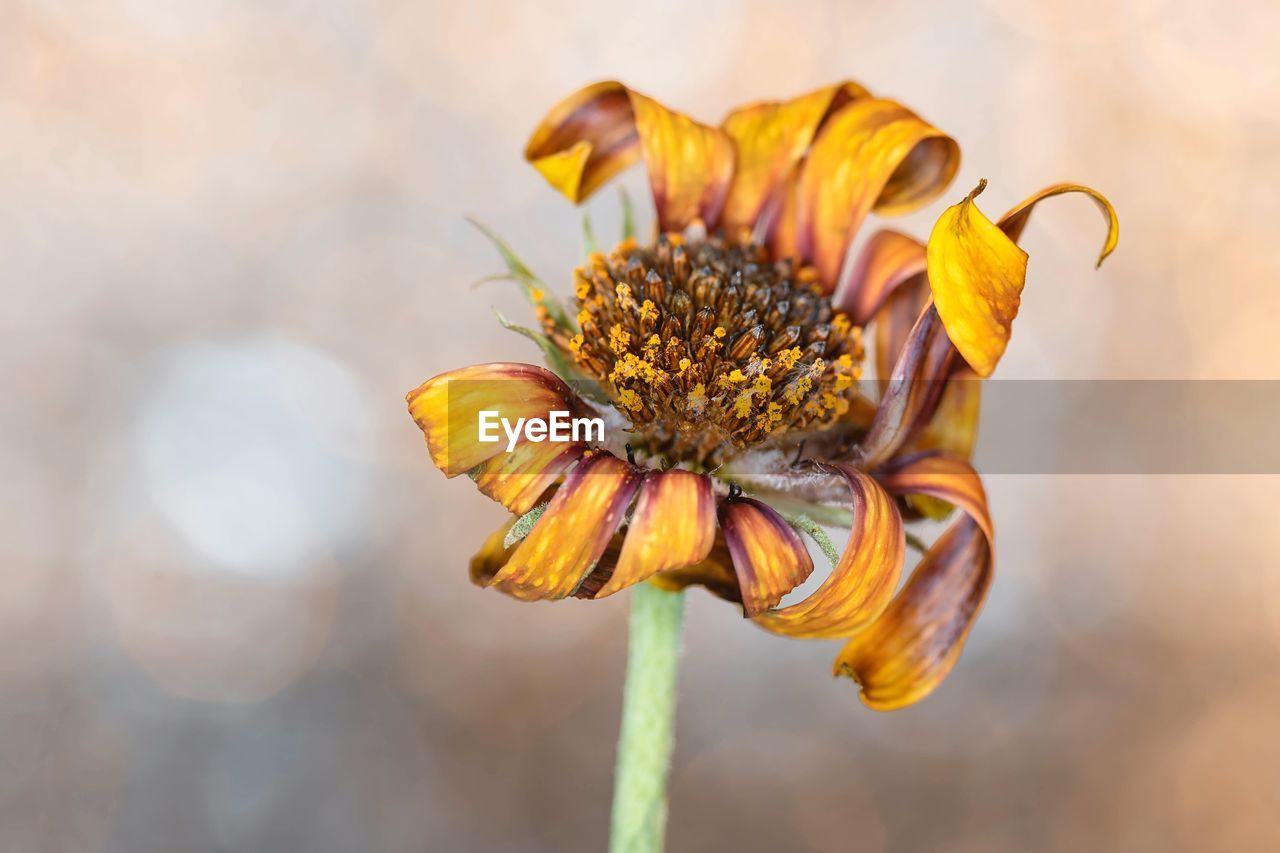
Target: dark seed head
{"points": [[707, 344]]}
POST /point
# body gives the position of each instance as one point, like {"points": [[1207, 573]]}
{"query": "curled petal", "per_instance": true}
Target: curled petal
{"points": [[862, 582], [715, 573], [873, 154], [889, 260], [953, 428], [977, 272], [596, 132], [517, 480], [585, 140], [915, 643], [933, 401], [894, 322], [492, 556], [782, 225], [769, 139], [941, 476], [1016, 219], [768, 556], [448, 408], [690, 164], [915, 387], [673, 525], [573, 532]]}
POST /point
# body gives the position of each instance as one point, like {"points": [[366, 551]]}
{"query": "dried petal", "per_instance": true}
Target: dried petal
{"points": [[915, 643], [888, 261], [447, 408], [872, 154], [574, 531], [770, 138], [517, 480], [769, 557], [977, 272], [862, 582], [674, 525], [598, 131]]}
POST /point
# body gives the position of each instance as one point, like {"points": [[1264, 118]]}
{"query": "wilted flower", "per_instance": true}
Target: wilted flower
{"points": [[727, 354]]}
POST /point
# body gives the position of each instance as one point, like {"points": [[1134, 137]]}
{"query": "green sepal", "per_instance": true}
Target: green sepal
{"points": [[524, 525], [805, 524], [556, 360], [534, 290], [628, 215]]}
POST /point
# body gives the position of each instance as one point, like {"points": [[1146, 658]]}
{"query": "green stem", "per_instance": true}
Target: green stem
{"points": [[648, 721]]}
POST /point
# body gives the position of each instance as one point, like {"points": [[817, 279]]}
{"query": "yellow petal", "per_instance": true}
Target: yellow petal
{"points": [[585, 140], [888, 261], [872, 154], [574, 531], [911, 648], [601, 129], [769, 139], [517, 480], [1016, 219], [977, 271], [447, 408], [673, 525], [769, 557], [690, 164], [862, 582], [976, 274]]}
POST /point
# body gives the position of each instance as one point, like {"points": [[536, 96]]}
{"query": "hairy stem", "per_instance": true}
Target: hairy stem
{"points": [[648, 721]]}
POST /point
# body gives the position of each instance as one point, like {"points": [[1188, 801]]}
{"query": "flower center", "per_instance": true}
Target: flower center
{"points": [[710, 345]]}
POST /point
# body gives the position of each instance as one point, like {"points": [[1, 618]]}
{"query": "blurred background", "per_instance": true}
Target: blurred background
{"points": [[234, 613]]}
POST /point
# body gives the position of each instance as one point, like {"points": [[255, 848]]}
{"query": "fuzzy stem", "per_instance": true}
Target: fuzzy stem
{"points": [[648, 721]]}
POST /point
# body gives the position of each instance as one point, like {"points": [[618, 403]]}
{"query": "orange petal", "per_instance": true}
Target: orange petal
{"points": [[517, 480], [448, 407], [493, 555], [862, 582], [769, 139], [977, 272], [768, 556], [912, 647], [690, 164], [872, 154], [783, 226], [941, 476], [674, 525], [585, 140], [574, 531], [888, 261], [598, 131], [715, 573]]}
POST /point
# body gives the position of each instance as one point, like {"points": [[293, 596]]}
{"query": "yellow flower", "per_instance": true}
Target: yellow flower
{"points": [[751, 370]]}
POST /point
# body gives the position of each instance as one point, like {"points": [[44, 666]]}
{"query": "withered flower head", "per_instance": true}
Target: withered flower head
{"points": [[727, 353], [708, 346]]}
